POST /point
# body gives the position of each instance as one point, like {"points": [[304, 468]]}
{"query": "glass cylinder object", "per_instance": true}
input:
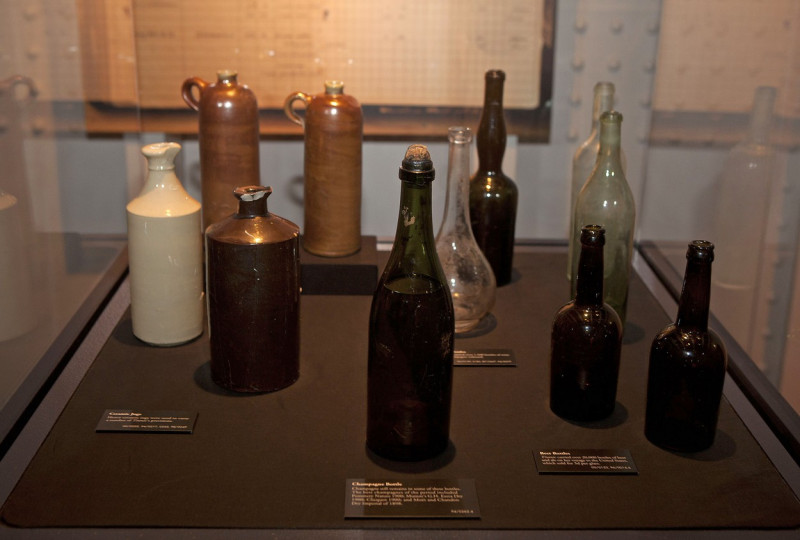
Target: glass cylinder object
{"points": [[687, 365], [585, 157], [468, 273], [333, 133], [19, 313], [493, 195], [253, 288], [606, 200], [165, 251], [586, 341], [742, 199], [228, 137], [411, 331]]}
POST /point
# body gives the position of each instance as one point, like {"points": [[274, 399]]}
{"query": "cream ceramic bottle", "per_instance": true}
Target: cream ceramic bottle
{"points": [[165, 249]]}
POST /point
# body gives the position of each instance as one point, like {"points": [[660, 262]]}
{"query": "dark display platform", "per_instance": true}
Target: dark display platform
{"points": [[281, 460]]}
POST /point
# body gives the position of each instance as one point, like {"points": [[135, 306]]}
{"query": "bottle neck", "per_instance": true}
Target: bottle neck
{"points": [[253, 208], [252, 200], [590, 276], [456, 205], [610, 136], [414, 234], [695, 295], [761, 115], [603, 101], [491, 136]]}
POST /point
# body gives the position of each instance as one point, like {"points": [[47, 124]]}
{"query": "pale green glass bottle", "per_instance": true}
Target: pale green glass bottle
{"points": [[606, 200], [586, 155]]}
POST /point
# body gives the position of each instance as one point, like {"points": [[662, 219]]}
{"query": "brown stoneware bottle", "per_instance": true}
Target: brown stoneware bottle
{"points": [[253, 291], [333, 128], [228, 136]]}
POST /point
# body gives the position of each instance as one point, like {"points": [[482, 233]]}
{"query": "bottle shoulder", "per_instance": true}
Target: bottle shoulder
{"points": [[169, 201], [689, 344], [492, 182], [577, 319], [269, 229]]}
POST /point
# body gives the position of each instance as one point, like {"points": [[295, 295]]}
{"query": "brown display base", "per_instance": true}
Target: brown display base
{"points": [[280, 460]]}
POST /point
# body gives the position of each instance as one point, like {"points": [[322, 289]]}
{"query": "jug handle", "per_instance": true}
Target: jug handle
{"points": [[188, 95], [20, 80], [289, 110]]}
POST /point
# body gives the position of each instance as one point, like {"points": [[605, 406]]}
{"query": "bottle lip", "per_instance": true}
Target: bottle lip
{"points": [[459, 134], [612, 116], [334, 88], [700, 250], [495, 75], [161, 155], [593, 235], [227, 74], [417, 165], [604, 87], [252, 193]]}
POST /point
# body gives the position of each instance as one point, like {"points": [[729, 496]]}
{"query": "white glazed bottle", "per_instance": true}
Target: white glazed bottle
{"points": [[165, 250]]}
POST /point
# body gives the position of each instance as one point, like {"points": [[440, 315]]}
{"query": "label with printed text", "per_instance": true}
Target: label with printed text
{"points": [[128, 420], [584, 461], [415, 498]]}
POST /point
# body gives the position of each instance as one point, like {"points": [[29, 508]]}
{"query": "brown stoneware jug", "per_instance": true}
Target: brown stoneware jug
{"points": [[228, 136], [253, 291], [332, 190]]}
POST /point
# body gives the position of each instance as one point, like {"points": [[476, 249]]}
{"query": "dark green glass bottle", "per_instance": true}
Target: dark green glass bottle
{"points": [[586, 341], [493, 195], [687, 366], [411, 331]]}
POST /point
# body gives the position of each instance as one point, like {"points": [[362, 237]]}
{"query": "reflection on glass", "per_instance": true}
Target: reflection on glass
{"points": [[17, 308], [743, 193]]}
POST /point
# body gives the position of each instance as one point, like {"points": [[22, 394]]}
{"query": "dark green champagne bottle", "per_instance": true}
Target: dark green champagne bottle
{"points": [[411, 331], [493, 195], [687, 366], [586, 341]]}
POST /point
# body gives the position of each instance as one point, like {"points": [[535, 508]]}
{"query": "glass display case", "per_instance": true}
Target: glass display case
{"points": [[709, 94]]}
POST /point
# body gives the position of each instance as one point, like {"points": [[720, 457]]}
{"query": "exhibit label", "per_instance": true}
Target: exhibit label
{"points": [[585, 461], [416, 498], [129, 420], [484, 357]]}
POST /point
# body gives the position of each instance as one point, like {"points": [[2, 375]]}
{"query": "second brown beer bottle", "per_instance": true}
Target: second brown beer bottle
{"points": [[586, 342], [687, 366], [411, 331], [493, 195]]}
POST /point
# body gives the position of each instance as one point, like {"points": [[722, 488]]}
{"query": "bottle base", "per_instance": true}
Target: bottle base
{"points": [[407, 453]]}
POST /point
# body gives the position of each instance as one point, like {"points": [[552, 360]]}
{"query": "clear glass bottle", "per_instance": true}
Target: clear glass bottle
{"points": [[687, 365], [493, 195], [165, 251], [586, 341], [742, 199], [586, 155], [468, 273], [411, 331], [606, 200]]}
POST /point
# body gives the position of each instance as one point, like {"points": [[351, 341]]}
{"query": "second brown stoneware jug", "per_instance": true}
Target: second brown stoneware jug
{"points": [[333, 128], [253, 291], [228, 136]]}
